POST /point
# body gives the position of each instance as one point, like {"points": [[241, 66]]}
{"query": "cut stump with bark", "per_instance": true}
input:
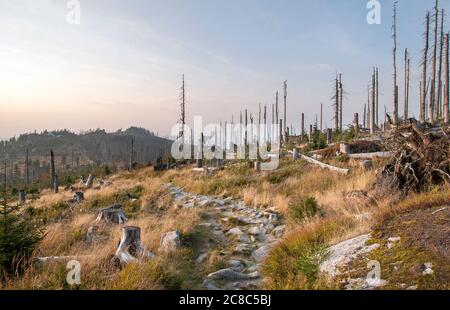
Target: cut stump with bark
{"points": [[130, 248], [113, 214]]}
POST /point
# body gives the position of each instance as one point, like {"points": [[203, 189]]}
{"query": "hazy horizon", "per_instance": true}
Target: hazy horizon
{"points": [[122, 65]]}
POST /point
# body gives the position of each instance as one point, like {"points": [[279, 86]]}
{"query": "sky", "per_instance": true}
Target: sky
{"points": [[121, 66]]}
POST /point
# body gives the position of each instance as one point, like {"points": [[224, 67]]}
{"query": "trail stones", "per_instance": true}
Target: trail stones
{"points": [[113, 214], [90, 181], [256, 230], [243, 248], [235, 231], [279, 231], [170, 241], [230, 274], [78, 197], [130, 248], [262, 252]]}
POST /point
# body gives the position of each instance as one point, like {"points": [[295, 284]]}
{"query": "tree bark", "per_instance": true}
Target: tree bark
{"points": [[447, 77], [54, 177]]}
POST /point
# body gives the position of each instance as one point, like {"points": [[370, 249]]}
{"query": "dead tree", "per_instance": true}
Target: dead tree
{"points": [[431, 105], [394, 56], [364, 116], [285, 108], [341, 99], [356, 123], [336, 105], [303, 125], [131, 154], [372, 122], [438, 101], [447, 77], [321, 116], [183, 109], [376, 96], [423, 96], [405, 107], [276, 107], [54, 177], [27, 167], [113, 214]]}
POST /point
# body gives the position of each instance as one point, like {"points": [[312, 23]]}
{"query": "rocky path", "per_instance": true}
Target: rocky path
{"points": [[243, 236]]}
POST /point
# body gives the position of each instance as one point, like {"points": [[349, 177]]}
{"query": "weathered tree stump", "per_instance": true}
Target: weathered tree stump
{"points": [[113, 214], [90, 181], [295, 154], [22, 197], [344, 148], [130, 248], [78, 197], [91, 234], [257, 166]]}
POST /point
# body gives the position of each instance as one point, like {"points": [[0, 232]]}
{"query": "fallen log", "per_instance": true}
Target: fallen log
{"points": [[325, 166], [371, 155]]}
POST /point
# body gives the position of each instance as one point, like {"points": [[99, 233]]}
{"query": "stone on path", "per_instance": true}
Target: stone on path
{"points": [[229, 274], [170, 241]]}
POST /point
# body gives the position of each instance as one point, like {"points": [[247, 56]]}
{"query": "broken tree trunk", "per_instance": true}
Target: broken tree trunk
{"points": [[130, 248], [54, 177], [406, 90], [356, 123], [431, 107], [22, 197], [90, 181], [324, 166], [113, 214]]}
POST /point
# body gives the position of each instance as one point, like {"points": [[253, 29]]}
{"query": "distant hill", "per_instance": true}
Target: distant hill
{"points": [[87, 148]]}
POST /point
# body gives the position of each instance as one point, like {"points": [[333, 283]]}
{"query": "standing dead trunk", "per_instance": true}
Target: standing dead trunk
{"points": [[329, 135], [27, 167], [341, 99], [372, 125], [423, 96], [405, 107], [285, 109], [321, 116], [394, 56], [364, 116], [90, 181], [356, 123], [438, 101], [376, 96], [303, 125], [431, 105], [54, 177], [336, 106], [447, 77], [131, 154], [22, 197]]}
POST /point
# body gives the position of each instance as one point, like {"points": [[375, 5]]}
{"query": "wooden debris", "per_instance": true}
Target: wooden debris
{"points": [[325, 166]]}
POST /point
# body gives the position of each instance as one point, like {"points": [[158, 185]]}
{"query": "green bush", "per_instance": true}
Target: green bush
{"points": [[303, 208], [18, 239]]}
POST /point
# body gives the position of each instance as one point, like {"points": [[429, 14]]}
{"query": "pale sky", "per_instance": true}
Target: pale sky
{"points": [[122, 65]]}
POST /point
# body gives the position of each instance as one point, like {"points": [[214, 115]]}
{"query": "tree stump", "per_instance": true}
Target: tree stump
{"points": [[257, 166], [130, 248], [344, 148], [78, 197], [90, 181], [295, 154], [91, 233], [22, 197], [113, 214]]}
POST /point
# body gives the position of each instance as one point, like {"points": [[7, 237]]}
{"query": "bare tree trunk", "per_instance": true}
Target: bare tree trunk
{"points": [[336, 106], [372, 125], [131, 154], [341, 99], [438, 100], [405, 107], [285, 107], [376, 103], [447, 77], [431, 107], [356, 123], [364, 116], [183, 110], [303, 125], [54, 177], [368, 108], [277, 117], [394, 55], [27, 167], [423, 96], [321, 116]]}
